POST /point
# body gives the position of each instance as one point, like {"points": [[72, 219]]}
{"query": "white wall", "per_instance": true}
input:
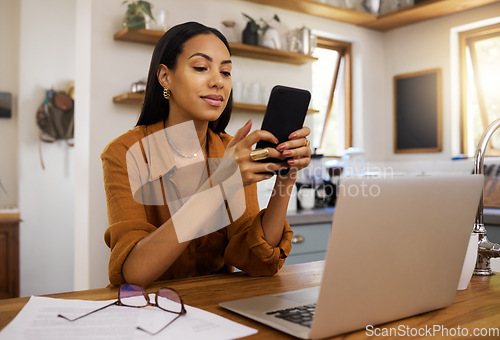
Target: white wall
{"points": [[46, 59], [424, 46], [108, 69], [64, 208]]}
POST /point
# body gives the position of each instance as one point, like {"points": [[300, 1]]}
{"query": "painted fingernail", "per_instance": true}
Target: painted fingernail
{"points": [[280, 147], [287, 153], [293, 135], [291, 161]]}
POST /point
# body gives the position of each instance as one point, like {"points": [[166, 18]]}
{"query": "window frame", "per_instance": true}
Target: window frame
{"points": [[345, 59], [467, 38]]}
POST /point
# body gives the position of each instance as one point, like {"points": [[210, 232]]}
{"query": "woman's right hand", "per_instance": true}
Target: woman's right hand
{"points": [[239, 149]]}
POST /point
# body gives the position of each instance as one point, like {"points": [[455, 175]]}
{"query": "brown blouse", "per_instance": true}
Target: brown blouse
{"points": [[240, 244]]}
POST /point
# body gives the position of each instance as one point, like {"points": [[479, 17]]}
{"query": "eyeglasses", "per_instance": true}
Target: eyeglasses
{"points": [[131, 295]]}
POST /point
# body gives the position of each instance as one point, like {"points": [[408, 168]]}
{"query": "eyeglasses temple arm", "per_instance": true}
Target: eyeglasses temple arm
{"points": [[84, 315], [154, 333]]}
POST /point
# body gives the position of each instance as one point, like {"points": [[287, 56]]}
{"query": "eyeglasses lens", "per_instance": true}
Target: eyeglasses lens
{"points": [[169, 300], [132, 296]]}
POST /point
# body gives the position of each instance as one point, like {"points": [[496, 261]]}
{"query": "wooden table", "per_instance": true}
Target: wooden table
{"points": [[476, 307]]}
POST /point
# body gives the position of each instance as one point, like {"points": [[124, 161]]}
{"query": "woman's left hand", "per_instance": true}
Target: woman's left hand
{"points": [[297, 148]]}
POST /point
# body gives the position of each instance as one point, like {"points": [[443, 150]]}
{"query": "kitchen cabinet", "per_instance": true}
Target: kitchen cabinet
{"points": [[423, 11], [309, 242], [9, 255], [311, 233], [491, 219]]}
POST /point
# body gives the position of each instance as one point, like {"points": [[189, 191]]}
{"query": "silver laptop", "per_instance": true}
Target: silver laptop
{"points": [[396, 249]]}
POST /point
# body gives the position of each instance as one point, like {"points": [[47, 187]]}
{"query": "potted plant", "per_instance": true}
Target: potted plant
{"points": [[135, 17]]}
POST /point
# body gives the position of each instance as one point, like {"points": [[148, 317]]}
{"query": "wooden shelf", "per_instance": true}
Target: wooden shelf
{"points": [[241, 50], [129, 98], [424, 11], [258, 108], [249, 107], [321, 10], [138, 98], [142, 36], [263, 53]]}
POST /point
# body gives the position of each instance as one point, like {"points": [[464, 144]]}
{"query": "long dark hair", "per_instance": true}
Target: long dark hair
{"points": [[168, 48]]}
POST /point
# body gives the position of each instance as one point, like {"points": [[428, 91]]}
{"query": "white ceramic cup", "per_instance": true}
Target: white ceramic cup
{"points": [[306, 197], [254, 93], [238, 91], [469, 262]]}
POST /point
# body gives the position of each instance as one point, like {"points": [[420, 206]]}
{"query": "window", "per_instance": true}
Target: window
{"points": [[331, 95], [480, 81]]}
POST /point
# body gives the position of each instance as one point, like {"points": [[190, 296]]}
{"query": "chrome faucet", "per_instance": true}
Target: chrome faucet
{"points": [[487, 249]]}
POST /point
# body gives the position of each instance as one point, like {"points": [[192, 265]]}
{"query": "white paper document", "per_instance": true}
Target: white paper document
{"points": [[39, 320]]}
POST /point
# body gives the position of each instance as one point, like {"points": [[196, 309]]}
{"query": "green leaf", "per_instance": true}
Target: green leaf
{"points": [[131, 9], [136, 22], [250, 19], [145, 6]]}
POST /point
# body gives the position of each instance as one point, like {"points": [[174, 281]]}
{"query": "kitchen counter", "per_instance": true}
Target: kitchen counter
{"points": [[491, 216], [312, 226], [324, 215], [311, 216], [9, 214]]}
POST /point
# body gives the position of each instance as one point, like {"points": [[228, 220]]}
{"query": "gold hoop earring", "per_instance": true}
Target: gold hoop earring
{"points": [[167, 93]]}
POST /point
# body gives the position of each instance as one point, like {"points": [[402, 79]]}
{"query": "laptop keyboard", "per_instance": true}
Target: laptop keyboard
{"points": [[302, 315]]}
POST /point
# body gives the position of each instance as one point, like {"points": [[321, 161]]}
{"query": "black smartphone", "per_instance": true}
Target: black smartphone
{"points": [[285, 113]]}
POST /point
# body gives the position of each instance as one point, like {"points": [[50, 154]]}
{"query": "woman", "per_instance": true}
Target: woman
{"points": [[189, 86]]}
